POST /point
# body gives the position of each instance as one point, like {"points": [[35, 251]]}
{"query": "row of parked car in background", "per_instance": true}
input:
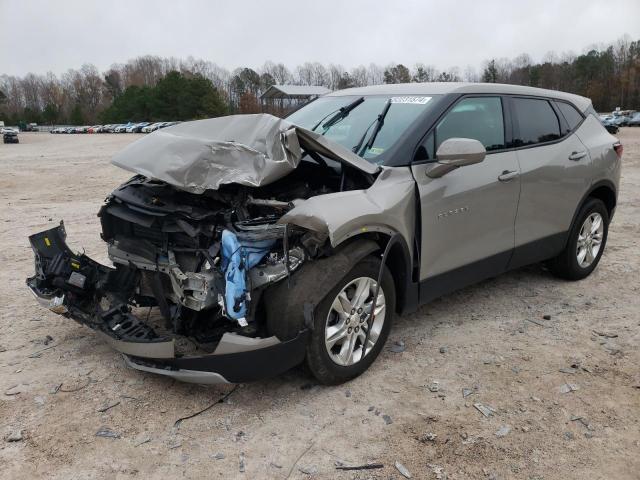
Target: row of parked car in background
{"points": [[621, 118], [139, 127]]}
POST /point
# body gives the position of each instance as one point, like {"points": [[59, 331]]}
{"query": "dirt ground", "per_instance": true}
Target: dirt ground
{"points": [[489, 344]]}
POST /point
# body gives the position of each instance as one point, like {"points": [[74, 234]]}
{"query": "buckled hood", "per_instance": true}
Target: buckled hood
{"points": [[250, 150]]}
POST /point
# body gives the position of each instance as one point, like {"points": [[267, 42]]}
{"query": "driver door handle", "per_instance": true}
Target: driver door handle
{"points": [[508, 175], [577, 155]]}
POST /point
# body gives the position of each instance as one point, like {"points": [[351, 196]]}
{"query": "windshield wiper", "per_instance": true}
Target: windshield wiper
{"points": [[379, 122], [339, 114]]}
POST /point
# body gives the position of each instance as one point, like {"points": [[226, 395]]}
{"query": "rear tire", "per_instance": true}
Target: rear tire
{"points": [[586, 242], [336, 361]]}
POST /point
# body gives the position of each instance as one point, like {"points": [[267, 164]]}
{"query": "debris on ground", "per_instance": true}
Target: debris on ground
{"points": [[222, 399], [311, 470], [175, 443], [38, 354], [434, 387], [241, 465], [141, 440], [486, 410], [74, 388], [569, 370], [428, 418], [503, 431], [605, 334], [347, 393], [438, 471], [368, 466], [402, 469], [108, 406], [106, 432], [537, 322], [467, 391], [546, 317], [55, 389], [569, 387], [38, 400], [387, 419], [15, 436], [218, 456], [583, 421], [443, 349], [15, 390], [427, 437], [398, 347]]}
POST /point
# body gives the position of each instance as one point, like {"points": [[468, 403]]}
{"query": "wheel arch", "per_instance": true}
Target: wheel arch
{"points": [[603, 190], [399, 262], [606, 192]]}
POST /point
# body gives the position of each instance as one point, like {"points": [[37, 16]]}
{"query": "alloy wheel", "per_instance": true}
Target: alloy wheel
{"points": [[590, 239], [348, 321]]}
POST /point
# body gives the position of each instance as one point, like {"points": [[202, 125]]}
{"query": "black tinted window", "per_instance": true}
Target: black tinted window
{"points": [[537, 121], [570, 114], [426, 150], [478, 118]]}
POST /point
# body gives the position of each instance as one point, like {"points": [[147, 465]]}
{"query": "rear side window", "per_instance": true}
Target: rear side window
{"points": [[478, 118], [537, 121], [570, 114]]}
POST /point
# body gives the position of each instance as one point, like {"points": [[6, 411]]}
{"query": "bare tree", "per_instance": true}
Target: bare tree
{"points": [[359, 76], [375, 74]]}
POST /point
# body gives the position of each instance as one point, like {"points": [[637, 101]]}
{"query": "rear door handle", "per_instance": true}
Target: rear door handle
{"points": [[577, 155], [508, 175]]}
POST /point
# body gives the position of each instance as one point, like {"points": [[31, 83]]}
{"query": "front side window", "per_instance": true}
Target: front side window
{"points": [[356, 129], [537, 121], [478, 118]]}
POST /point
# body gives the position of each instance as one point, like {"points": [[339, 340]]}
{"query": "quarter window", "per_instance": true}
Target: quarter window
{"points": [[570, 114], [537, 121], [478, 118]]}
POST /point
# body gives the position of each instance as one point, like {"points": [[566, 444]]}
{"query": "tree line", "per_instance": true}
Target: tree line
{"points": [[156, 88]]}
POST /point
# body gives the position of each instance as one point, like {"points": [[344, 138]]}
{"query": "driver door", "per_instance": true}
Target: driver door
{"points": [[467, 215]]}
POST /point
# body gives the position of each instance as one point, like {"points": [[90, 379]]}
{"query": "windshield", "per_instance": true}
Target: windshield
{"points": [[360, 122]]}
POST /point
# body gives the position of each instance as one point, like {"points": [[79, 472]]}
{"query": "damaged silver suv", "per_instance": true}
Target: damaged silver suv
{"points": [[245, 245]]}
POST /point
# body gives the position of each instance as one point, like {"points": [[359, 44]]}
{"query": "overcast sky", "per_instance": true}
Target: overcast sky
{"points": [[45, 35]]}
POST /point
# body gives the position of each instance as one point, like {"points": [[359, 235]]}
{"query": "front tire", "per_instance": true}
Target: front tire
{"points": [[335, 351], [586, 242]]}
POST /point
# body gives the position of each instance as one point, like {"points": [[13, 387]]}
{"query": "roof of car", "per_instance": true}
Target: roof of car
{"points": [[441, 88]]}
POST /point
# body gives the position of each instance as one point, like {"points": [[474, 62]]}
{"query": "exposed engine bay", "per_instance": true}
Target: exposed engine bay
{"points": [[200, 261]]}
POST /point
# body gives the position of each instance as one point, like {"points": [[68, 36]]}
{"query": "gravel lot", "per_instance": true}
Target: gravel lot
{"points": [[490, 342]]}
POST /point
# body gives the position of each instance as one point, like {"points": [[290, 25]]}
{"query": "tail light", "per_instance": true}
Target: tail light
{"points": [[619, 149]]}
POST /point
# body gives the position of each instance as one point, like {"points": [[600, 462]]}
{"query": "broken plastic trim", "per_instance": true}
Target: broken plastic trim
{"points": [[236, 367], [236, 358]]}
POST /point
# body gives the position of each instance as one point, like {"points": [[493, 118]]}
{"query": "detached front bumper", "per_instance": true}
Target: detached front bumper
{"points": [[75, 286]]}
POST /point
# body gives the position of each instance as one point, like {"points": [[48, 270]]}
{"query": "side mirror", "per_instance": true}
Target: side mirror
{"points": [[454, 153]]}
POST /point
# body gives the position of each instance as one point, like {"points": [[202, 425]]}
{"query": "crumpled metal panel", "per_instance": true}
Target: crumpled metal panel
{"points": [[388, 206], [251, 150]]}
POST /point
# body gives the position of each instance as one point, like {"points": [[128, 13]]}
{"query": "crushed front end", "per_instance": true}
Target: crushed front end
{"points": [[184, 295], [202, 249]]}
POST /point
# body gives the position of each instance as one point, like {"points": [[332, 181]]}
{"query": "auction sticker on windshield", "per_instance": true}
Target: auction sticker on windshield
{"points": [[411, 100]]}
